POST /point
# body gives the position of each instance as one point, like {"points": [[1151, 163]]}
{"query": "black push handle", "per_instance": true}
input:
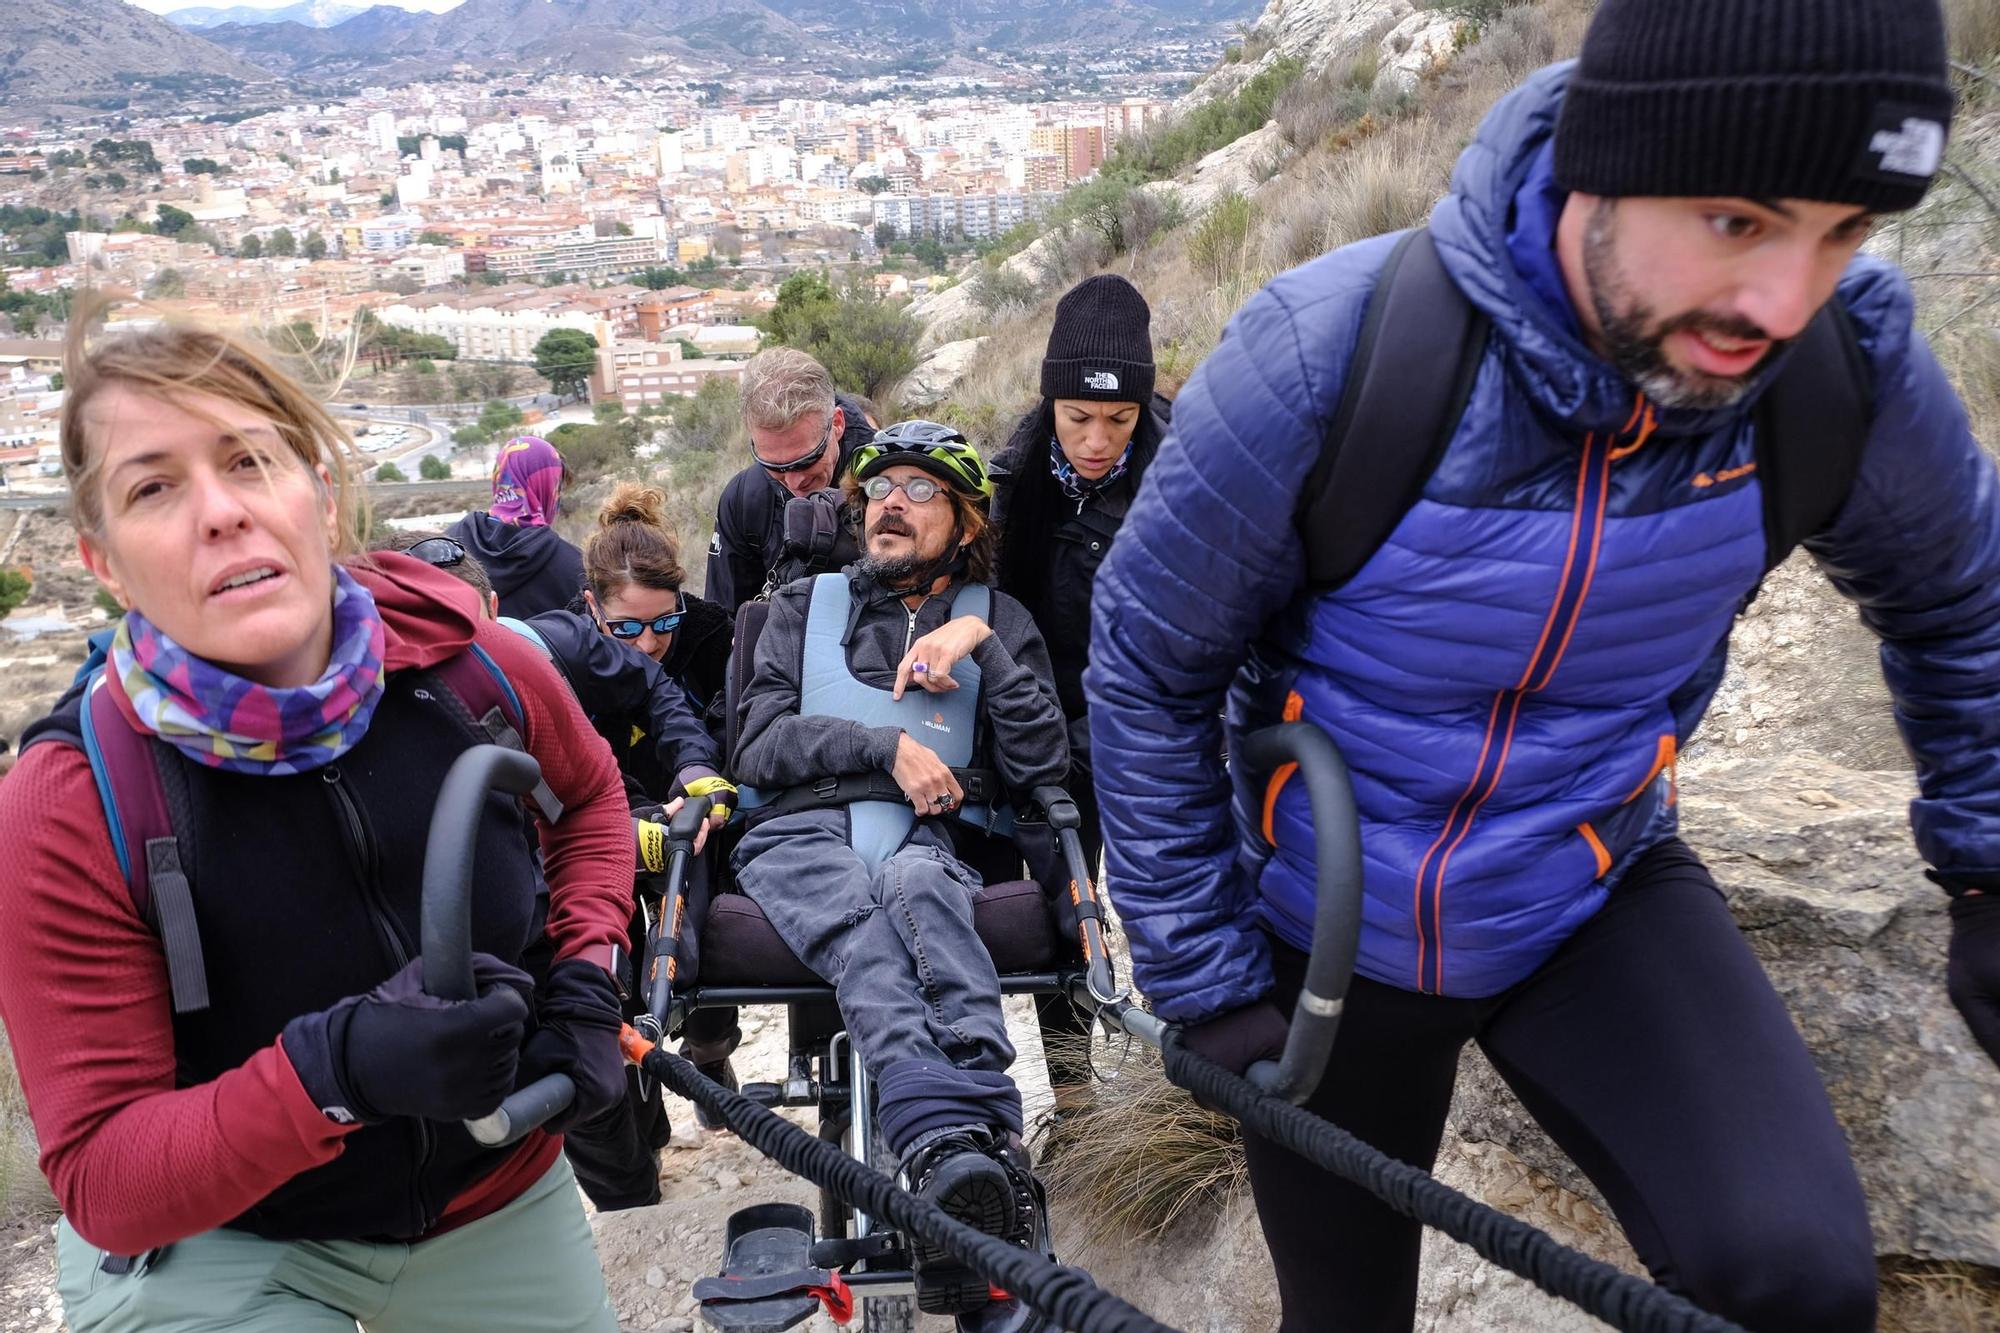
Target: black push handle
{"points": [[1066, 821], [447, 918], [1337, 909], [682, 828]]}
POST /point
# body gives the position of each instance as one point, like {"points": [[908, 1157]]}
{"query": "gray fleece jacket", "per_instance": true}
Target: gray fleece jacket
{"points": [[1021, 732]]}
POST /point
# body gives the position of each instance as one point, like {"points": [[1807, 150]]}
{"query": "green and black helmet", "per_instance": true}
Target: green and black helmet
{"points": [[939, 450]]}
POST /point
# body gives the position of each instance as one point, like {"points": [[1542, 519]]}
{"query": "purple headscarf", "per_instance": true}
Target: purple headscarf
{"points": [[526, 477]]}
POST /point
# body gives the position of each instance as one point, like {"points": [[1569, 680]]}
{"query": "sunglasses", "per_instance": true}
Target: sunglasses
{"points": [[921, 490], [440, 551], [803, 462], [632, 629]]}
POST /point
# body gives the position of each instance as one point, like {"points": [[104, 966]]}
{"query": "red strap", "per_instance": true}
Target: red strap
{"points": [[837, 1297]]}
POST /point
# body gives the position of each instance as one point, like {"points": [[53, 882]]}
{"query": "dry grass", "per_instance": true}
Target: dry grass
{"points": [[1928, 1296], [1139, 1154], [1974, 26], [24, 1194]]}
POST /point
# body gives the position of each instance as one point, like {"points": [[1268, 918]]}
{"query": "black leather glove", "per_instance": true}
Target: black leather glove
{"points": [[576, 1033], [1239, 1038], [1972, 975], [399, 1052]]}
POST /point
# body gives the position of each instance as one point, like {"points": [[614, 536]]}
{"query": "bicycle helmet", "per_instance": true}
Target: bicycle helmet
{"points": [[939, 450]]}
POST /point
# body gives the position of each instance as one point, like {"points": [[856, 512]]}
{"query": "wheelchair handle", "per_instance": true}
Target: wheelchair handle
{"points": [[663, 964], [1059, 806], [446, 929], [1315, 1018], [686, 822], [1065, 822]]}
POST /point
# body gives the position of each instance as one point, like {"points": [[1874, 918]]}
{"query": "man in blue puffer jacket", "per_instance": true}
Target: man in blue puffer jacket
{"points": [[1511, 674]]}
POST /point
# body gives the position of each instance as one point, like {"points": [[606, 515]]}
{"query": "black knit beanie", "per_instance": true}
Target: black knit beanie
{"points": [[1836, 101], [1102, 344]]}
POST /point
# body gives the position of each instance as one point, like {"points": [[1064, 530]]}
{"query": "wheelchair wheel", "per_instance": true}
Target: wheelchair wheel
{"points": [[889, 1314]]}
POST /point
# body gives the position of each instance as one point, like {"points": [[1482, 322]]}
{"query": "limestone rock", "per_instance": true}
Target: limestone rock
{"points": [[1316, 32], [939, 372], [1420, 41], [1239, 167], [952, 315]]}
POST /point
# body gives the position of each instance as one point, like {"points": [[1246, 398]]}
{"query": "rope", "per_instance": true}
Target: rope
{"points": [[1065, 1295], [1616, 1297]]}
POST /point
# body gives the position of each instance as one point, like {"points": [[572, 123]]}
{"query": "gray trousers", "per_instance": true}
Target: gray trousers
{"points": [[912, 978]]}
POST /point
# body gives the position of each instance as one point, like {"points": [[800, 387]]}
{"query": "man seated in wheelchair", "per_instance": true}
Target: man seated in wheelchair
{"points": [[888, 676]]}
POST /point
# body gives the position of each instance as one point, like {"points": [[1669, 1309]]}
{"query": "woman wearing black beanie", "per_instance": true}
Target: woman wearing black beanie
{"points": [[1065, 479]]}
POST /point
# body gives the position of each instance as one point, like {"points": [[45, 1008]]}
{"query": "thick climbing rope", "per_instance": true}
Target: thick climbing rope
{"points": [[1616, 1297], [1065, 1295]]}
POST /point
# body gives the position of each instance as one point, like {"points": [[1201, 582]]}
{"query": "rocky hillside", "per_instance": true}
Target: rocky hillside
{"points": [[63, 48]]}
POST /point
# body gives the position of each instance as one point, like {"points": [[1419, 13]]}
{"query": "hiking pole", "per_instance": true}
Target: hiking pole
{"points": [[447, 918], [664, 946], [1337, 900]]}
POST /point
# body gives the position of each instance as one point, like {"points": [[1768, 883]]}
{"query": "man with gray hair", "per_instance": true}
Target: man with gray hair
{"points": [[801, 434]]}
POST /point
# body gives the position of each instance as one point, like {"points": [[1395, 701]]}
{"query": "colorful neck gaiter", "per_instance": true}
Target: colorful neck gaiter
{"points": [[224, 721], [1077, 487], [527, 476]]}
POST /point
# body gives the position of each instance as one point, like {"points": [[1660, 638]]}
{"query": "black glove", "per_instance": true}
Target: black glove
{"points": [[399, 1052], [1239, 1038], [1972, 976], [576, 1033]]}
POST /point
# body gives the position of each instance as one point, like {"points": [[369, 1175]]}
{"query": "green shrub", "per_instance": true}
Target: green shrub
{"points": [[389, 472], [1218, 241], [15, 585], [434, 468]]}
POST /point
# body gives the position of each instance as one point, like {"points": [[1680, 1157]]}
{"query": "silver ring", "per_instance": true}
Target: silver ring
{"points": [[945, 801]]}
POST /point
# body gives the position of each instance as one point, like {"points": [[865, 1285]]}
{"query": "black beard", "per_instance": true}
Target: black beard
{"points": [[895, 571], [1635, 339]]}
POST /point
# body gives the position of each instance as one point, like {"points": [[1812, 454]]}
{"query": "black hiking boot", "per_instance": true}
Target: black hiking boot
{"points": [[956, 1170], [1030, 1232]]}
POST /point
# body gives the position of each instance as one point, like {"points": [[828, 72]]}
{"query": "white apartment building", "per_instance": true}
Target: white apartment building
{"points": [[489, 333], [972, 216]]}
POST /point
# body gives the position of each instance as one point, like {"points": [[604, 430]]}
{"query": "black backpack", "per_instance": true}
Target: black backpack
{"points": [[1411, 374]]}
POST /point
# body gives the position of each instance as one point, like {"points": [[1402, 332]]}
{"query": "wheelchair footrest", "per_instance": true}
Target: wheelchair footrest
{"points": [[768, 1281]]}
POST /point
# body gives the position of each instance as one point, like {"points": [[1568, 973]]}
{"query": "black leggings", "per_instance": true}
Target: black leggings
{"points": [[1655, 1052]]}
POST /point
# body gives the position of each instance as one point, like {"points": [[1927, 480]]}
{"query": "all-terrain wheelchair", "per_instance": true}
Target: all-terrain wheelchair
{"points": [[1045, 940]]}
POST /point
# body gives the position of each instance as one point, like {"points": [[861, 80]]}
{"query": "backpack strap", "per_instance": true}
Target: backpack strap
{"points": [[144, 794], [1408, 381], [482, 690], [530, 633], [1811, 425]]}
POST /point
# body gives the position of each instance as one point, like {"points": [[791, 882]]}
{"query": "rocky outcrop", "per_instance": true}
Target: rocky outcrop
{"points": [[1239, 167], [939, 372], [1314, 32]]}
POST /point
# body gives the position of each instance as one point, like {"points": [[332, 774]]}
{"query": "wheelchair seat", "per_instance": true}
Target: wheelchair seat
{"points": [[739, 947]]}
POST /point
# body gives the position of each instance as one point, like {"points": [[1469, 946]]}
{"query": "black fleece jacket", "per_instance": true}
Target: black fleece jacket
{"points": [[1020, 734]]}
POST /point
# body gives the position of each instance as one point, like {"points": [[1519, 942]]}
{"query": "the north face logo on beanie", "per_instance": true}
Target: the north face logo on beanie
{"points": [[1102, 381], [1904, 145]]}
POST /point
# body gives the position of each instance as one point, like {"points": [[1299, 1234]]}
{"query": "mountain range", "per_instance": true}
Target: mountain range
{"points": [[312, 13], [51, 49], [609, 35], [69, 49]]}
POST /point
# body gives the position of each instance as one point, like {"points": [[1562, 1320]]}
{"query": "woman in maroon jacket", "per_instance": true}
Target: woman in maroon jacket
{"points": [[290, 1155]]}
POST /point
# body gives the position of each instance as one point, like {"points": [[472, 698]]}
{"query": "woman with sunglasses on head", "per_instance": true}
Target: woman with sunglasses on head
{"points": [[532, 568], [249, 1106]]}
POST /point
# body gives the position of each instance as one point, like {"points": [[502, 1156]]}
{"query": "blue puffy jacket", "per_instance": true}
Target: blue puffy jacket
{"points": [[1511, 674]]}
